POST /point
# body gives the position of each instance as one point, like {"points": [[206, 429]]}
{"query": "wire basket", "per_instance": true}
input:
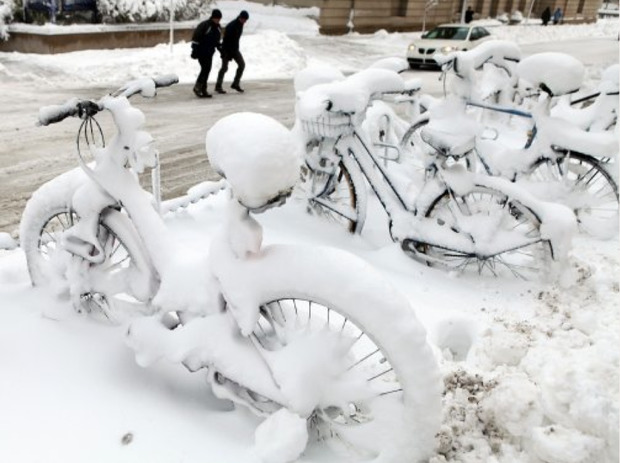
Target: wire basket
{"points": [[330, 125]]}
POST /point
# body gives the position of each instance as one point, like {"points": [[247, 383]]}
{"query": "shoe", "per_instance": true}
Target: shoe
{"points": [[199, 93], [220, 90], [237, 87], [207, 95]]}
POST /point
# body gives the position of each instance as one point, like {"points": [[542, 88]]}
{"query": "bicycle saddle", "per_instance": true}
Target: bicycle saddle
{"points": [[554, 73], [450, 137]]}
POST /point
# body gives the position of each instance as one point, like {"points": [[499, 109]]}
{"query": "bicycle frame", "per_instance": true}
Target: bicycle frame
{"points": [[407, 215], [111, 184]]}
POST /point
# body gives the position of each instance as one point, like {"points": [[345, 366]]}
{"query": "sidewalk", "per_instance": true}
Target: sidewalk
{"points": [[31, 155]]}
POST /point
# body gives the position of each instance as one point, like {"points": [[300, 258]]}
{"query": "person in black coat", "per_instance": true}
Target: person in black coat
{"points": [[205, 41], [469, 15], [546, 16], [230, 51]]}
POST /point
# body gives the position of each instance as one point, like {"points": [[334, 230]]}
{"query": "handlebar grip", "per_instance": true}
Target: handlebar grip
{"points": [[166, 81], [73, 107], [56, 113]]}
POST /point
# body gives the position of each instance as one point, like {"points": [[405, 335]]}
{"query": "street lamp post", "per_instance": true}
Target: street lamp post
{"points": [[529, 13], [430, 4], [463, 11], [171, 24]]}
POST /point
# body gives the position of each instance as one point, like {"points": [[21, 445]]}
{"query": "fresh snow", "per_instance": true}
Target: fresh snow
{"points": [[530, 369]]}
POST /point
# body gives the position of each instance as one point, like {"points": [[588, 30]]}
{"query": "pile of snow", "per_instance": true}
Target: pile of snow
{"points": [[261, 164], [7, 242], [277, 43], [558, 72], [6, 15]]}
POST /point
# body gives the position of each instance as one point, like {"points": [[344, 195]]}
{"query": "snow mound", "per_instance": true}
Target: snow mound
{"points": [[292, 434], [261, 164], [315, 75], [558, 72]]}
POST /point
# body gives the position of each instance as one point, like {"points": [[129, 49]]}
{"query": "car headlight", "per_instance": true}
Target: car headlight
{"points": [[446, 50], [412, 47]]}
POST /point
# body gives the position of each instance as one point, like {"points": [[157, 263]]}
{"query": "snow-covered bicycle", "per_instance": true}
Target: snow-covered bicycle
{"points": [[537, 146], [560, 160], [311, 338], [458, 219]]}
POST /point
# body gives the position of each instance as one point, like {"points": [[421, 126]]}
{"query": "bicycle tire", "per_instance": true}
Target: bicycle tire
{"points": [[356, 298], [412, 140], [586, 186], [48, 214], [482, 205], [332, 196]]}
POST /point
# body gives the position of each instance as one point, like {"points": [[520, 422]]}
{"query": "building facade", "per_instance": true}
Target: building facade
{"points": [[341, 16]]}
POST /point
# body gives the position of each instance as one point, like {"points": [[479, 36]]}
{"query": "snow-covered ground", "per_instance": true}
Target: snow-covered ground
{"points": [[277, 43], [530, 369]]}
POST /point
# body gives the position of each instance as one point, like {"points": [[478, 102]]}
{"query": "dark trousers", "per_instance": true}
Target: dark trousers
{"points": [[226, 58], [205, 68]]}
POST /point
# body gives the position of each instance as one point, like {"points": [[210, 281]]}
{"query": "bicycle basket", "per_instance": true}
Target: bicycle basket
{"points": [[329, 125]]}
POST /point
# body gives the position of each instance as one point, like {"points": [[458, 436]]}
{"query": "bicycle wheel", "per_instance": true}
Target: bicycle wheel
{"points": [[506, 233], [412, 140], [349, 356], [331, 196], [122, 284], [582, 183]]}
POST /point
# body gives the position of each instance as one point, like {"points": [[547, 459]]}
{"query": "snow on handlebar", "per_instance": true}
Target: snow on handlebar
{"points": [[145, 86], [73, 107], [166, 81]]}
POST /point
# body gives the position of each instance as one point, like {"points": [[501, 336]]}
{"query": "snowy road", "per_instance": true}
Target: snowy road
{"points": [[31, 155]]}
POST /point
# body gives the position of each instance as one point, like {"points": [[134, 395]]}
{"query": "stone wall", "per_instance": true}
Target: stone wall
{"points": [[30, 41]]}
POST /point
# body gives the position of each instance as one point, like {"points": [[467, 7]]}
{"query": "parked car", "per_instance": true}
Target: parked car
{"points": [[444, 39]]}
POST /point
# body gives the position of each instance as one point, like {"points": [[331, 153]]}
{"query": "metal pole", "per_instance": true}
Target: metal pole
{"points": [[463, 11], [529, 13], [171, 24]]}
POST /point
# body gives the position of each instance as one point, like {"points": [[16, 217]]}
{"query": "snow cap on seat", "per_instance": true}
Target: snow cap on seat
{"points": [[256, 154], [553, 72]]}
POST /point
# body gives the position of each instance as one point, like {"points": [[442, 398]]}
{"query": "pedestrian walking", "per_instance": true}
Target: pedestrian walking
{"points": [[546, 16], [205, 41], [230, 51], [557, 16], [469, 15]]}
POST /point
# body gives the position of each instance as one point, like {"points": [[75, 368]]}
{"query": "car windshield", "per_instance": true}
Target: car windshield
{"points": [[450, 33]]}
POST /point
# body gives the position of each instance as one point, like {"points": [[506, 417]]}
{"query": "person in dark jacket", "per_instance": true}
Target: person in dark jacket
{"points": [[230, 51], [205, 41], [546, 16], [469, 15]]}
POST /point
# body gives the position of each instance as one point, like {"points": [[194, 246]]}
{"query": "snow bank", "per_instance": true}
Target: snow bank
{"points": [[557, 72], [261, 164]]}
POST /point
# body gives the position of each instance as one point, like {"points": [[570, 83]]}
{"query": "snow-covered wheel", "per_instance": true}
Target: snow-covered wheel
{"points": [[584, 184], [489, 217], [412, 139], [332, 195], [369, 400], [346, 351], [122, 284], [341, 344]]}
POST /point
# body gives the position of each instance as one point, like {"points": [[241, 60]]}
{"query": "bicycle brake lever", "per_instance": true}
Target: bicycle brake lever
{"points": [[87, 109]]}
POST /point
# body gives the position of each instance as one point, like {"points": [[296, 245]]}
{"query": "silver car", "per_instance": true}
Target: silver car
{"points": [[444, 39]]}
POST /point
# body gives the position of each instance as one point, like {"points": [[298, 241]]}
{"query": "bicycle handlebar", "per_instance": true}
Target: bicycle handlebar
{"points": [[166, 81], [87, 108]]}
